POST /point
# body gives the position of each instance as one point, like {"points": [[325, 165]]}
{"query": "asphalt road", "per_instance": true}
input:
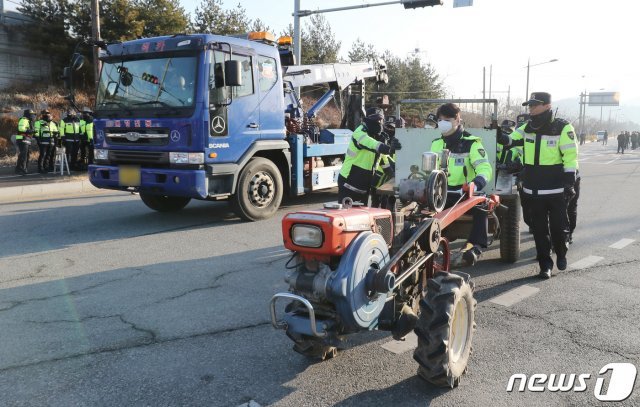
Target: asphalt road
{"points": [[104, 302]]}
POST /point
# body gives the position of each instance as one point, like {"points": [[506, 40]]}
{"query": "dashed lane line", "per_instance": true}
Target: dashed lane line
{"points": [[586, 262], [622, 243], [514, 296]]}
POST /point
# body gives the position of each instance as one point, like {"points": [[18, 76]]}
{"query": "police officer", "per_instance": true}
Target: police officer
{"points": [[468, 161], [70, 133], [550, 165], [46, 131], [366, 146], [86, 138], [621, 142], [23, 140]]}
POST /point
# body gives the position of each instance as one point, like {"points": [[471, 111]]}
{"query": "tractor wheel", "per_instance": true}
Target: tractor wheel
{"points": [[163, 203], [510, 230], [259, 191], [445, 329]]}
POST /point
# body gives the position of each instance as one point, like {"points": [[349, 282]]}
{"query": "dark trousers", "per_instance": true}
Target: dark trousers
{"points": [[23, 156], [344, 192], [620, 147], [86, 153], [72, 146], [550, 226], [44, 158], [572, 207], [526, 211], [479, 225]]}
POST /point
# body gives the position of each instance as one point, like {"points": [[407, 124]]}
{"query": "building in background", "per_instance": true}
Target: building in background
{"points": [[18, 64]]}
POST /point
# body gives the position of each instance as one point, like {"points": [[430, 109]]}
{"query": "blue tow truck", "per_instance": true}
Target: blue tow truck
{"points": [[214, 117]]}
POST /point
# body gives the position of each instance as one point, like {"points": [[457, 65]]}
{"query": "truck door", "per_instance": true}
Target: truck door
{"points": [[271, 100], [233, 126]]}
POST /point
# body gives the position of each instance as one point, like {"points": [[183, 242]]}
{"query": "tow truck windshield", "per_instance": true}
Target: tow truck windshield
{"points": [[165, 85]]}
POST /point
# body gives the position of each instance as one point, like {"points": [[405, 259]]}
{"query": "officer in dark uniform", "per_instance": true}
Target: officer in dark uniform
{"points": [[86, 136], [23, 140], [621, 142], [550, 165], [363, 155], [46, 132]]}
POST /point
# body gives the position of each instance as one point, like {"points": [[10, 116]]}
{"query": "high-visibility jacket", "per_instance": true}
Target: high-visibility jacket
{"points": [[467, 153], [506, 155], [360, 160], [45, 130], [70, 128], [24, 124], [550, 157], [385, 170], [86, 129]]}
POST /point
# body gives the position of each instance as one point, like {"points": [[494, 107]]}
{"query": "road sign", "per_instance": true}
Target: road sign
{"points": [[603, 99]]}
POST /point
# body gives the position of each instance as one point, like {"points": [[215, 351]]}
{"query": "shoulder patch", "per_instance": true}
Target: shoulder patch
{"points": [[571, 135], [482, 152]]}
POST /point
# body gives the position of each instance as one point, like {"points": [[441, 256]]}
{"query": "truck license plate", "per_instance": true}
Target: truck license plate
{"points": [[129, 176]]}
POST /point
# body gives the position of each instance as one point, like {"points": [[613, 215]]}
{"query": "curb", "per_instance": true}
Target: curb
{"points": [[18, 193]]}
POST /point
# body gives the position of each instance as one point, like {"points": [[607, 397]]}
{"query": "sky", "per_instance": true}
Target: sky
{"points": [[594, 42]]}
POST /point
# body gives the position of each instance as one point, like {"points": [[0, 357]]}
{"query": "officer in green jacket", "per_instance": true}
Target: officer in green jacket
{"points": [[70, 133], [362, 157], [86, 138], [468, 162], [46, 132], [23, 140], [549, 178]]}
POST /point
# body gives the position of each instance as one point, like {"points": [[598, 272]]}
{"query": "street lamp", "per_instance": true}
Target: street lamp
{"points": [[526, 97]]}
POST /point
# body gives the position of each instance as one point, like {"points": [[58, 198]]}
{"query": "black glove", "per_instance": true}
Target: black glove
{"points": [[395, 144], [480, 183], [383, 149], [503, 138], [569, 193]]}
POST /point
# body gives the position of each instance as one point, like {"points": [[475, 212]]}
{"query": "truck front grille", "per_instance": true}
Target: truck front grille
{"points": [[138, 157], [146, 137]]}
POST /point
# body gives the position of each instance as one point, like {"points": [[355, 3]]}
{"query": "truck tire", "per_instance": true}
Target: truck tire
{"points": [[445, 329], [259, 191], [510, 229], [162, 203]]}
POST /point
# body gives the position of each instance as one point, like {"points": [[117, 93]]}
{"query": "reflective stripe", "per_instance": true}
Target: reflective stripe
{"points": [[363, 135], [459, 155], [549, 137], [544, 191], [522, 133], [352, 153], [354, 189], [570, 169], [567, 147], [477, 162]]}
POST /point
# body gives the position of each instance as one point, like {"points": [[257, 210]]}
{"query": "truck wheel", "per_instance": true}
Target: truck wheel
{"points": [[162, 203], [510, 230], [445, 329], [259, 191]]}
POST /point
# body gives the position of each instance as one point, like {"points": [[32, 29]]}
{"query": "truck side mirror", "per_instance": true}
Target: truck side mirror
{"points": [[232, 73], [77, 61]]}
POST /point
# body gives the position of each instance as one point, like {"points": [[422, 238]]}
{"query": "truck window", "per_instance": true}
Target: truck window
{"points": [[247, 76], [268, 72]]}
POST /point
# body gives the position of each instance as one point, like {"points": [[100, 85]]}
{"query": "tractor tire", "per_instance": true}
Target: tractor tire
{"points": [[510, 229], [445, 329], [162, 203], [259, 191]]}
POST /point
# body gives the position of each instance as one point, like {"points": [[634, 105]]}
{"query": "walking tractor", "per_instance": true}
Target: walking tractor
{"points": [[213, 117], [356, 268]]}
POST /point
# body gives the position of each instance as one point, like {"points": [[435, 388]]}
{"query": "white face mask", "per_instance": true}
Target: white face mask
{"points": [[444, 126]]}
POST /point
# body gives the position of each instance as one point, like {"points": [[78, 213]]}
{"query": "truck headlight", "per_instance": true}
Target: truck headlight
{"points": [[100, 154], [306, 235], [186, 158]]}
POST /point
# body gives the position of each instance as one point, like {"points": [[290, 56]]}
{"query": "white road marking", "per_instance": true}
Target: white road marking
{"points": [[514, 296], [616, 159], [250, 403], [586, 262], [410, 342], [622, 243]]}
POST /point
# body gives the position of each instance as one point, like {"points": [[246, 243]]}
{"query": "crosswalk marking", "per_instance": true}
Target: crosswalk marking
{"points": [[622, 243], [586, 262], [514, 296]]}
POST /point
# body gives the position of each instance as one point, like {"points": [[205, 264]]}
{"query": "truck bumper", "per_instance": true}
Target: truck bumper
{"points": [[160, 181]]}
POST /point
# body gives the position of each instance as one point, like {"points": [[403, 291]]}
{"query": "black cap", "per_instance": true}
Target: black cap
{"points": [[45, 111], [374, 113], [29, 112], [538, 97]]}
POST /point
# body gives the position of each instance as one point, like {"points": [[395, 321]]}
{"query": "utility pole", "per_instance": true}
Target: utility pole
{"points": [[95, 31], [484, 96]]}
